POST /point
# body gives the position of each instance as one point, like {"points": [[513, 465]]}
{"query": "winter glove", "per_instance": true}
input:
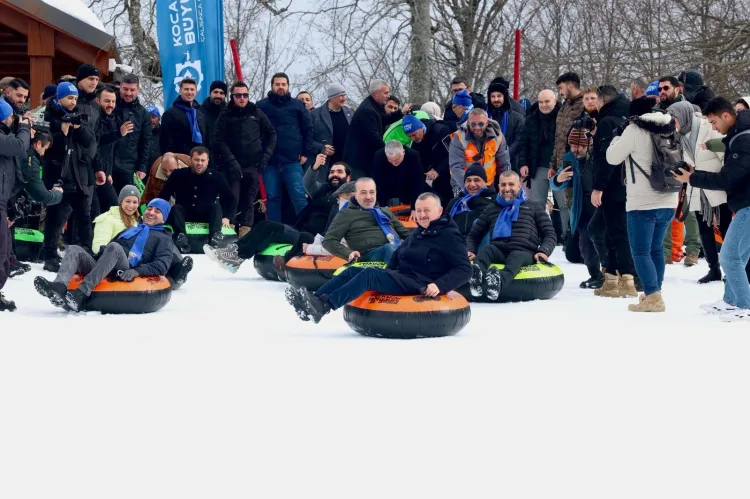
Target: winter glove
{"points": [[127, 275], [235, 172]]}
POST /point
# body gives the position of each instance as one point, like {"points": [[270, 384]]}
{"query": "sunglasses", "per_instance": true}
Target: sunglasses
{"points": [[664, 89], [481, 124], [241, 96]]}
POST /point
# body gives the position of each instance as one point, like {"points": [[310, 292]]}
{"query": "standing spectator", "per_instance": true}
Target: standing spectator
{"points": [[692, 87], [155, 117], [538, 145], [514, 104], [669, 92], [511, 121], [392, 105], [433, 109], [294, 134], [306, 99], [590, 102], [427, 139], [132, 153], [17, 95], [212, 106], [639, 87], [182, 126], [331, 124], [458, 84], [110, 134], [398, 174], [244, 142], [367, 127]]}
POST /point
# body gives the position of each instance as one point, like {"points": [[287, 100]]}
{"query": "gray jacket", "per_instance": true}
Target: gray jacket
{"points": [[323, 127], [12, 149], [315, 180], [457, 160]]}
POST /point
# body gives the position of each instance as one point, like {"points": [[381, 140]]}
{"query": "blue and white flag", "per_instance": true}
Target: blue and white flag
{"points": [[191, 44]]}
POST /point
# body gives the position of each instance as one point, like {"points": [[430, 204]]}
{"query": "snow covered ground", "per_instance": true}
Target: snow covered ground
{"points": [[226, 394]]}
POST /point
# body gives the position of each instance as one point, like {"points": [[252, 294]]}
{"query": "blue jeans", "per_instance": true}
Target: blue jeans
{"points": [[380, 254], [646, 229], [734, 255], [289, 175], [354, 282]]}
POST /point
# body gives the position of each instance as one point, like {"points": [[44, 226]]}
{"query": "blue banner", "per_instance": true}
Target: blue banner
{"points": [[191, 44]]}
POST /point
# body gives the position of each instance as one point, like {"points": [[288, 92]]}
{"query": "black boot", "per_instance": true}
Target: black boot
{"points": [[75, 299], [182, 243], [295, 299], [6, 305], [475, 283], [181, 271], [595, 282], [53, 291], [714, 274], [52, 264], [16, 269], [494, 283], [317, 306]]}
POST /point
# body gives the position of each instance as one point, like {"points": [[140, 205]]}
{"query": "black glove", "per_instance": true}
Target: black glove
{"points": [[127, 275], [235, 172]]}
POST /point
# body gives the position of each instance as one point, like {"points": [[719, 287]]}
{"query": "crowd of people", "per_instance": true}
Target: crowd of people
{"points": [[625, 178]]}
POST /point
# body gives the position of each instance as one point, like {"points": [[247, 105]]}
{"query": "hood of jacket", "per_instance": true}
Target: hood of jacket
{"points": [[498, 87], [617, 107], [279, 100], [742, 124], [656, 123]]}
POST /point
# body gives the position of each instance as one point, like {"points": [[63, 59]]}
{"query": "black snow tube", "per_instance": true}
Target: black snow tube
{"points": [[263, 260], [534, 282], [142, 295], [407, 317], [28, 244], [312, 271]]}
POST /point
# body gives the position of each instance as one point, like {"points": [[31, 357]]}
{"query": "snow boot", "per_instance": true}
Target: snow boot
{"points": [[16, 269], [610, 288], [627, 286], [280, 266], [475, 283], [6, 305], [690, 260], [736, 315], [317, 306], [182, 243], [52, 264], [75, 299], [494, 283], [593, 282], [53, 291], [714, 274], [227, 257], [181, 272], [218, 240], [295, 299], [650, 303]]}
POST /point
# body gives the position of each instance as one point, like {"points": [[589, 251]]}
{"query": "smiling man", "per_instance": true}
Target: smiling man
{"points": [[429, 262]]}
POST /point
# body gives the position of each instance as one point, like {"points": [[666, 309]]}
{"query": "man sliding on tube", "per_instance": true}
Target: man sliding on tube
{"points": [[143, 250], [431, 261]]}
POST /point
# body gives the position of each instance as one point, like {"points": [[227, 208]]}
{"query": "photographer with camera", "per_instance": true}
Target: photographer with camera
{"points": [[132, 153], [68, 164], [30, 180], [12, 146]]}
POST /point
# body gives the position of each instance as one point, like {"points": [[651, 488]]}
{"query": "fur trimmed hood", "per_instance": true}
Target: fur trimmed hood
{"points": [[657, 123]]}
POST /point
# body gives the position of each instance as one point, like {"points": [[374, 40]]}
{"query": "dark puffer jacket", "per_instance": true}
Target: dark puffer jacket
{"points": [[199, 192], [176, 134], [133, 152], [109, 136], [532, 232], [294, 131], [436, 255], [31, 182], [465, 221], [211, 112], [434, 156], [244, 139], [12, 149], [609, 178], [513, 128], [405, 181], [538, 140]]}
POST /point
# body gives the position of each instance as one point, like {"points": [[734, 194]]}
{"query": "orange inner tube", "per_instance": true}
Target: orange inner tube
{"points": [[139, 284], [404, 219], [410, 303], [309, 262]]}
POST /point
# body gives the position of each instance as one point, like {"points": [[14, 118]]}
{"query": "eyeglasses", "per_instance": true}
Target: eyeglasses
{"points": [[241, 96], [481, 124], [664, 89]]}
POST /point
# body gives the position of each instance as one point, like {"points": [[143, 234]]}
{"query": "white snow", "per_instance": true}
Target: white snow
{"points": [[226, 394], [79, 10]]}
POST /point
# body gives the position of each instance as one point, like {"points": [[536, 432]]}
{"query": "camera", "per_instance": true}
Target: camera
{"points": [[38, 123], [76, 118], [681, 165], [584, 122]]}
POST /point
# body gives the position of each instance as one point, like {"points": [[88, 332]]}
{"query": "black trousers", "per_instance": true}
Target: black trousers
{"points": [[105, 198], [5, 242], [597, 235], [75, 206], [246, 190], [120, 179], [586, 244], [616, 231], [179, 215], [513, 261], [264, 233]]}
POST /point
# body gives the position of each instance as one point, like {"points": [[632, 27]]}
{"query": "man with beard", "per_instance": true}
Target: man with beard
{"points": [[538, 145], [132, 153], [427, 139], [183, 127], [521, 233], [243, 143], [511, 122], [17, 95], [669, 92], [590, 99], [472, 201], [212, 107]]}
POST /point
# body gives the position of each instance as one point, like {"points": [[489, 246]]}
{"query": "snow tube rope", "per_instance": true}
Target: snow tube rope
{"points": [[407, 317], [540, 281], [143, 295], [263, 260], [312, 271]]}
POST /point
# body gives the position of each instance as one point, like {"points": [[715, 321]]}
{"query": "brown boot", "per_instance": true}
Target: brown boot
{"points": [[611, 288], [651, 303], [243, 231], [627, 286], [691, 260]]}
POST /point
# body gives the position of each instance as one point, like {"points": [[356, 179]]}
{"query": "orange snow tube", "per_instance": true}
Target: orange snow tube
{"points": [[407, 317], [403, 212], [142, 295], [312, 271]]}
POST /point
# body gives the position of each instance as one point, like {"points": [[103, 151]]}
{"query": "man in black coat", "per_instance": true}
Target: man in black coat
{"points": [[427, 139], [511, 121], [144, 250], [609, 193], [477, 100], [109, 134], [521, 233], [475, 197], [398, 173], [212, 106], [244, 141], [538, 145], [195, 190], [367, 128], [431, 261], [183, 126], [133, 152], [155, 117]]}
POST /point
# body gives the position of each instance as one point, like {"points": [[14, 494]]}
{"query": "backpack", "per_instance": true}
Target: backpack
{"points": [[667, 155]]}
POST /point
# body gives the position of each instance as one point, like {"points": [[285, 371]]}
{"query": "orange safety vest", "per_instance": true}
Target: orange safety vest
{"points": [[471, 153]]}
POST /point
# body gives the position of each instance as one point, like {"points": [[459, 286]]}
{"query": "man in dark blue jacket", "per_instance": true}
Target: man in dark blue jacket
{"points": [[431, 261], [144, 250], [294, 134]]}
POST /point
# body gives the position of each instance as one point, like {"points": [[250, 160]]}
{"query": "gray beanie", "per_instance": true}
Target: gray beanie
{"points": [[347, 188], [336, 90], [128, 190]]}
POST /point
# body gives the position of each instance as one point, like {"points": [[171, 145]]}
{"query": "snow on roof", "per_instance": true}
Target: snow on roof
{"points": [[77, 9]]}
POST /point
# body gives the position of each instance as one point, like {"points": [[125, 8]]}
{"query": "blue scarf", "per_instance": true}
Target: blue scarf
{"points": [[508, 215], [141, 231], [462, 204], [504, 123], [385, 225], [192, 116], [58, 106]]}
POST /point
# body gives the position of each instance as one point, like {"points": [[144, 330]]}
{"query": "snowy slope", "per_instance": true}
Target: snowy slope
{"points": [[226, 394], [79, 10]]}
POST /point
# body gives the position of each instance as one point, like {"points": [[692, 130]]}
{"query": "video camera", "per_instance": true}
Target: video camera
{"points": [[585, 122], [75, 118]]}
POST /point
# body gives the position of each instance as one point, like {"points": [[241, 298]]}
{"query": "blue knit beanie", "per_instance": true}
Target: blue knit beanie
{"points": [[653, 89], [411, 124], [5, 110], [65, 89], [462, 98], [153, 111], [161, 205]]}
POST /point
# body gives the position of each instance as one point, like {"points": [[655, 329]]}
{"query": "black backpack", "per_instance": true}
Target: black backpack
{"points": [[667, 156]]}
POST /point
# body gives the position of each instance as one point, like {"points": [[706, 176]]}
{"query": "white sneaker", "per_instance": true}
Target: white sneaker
{"points": [[738, 314], [718, 307]]}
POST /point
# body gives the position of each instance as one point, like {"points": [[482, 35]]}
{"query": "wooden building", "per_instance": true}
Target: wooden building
{"points": [[40, 43]]}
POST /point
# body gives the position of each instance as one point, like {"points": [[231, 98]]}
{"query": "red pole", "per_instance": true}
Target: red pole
{"points": [[517, 67]]}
